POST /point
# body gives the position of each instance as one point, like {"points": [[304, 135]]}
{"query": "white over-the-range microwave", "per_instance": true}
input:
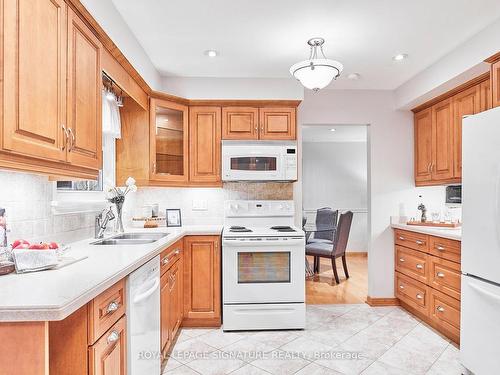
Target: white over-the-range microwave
{"points": [[259, 161]]}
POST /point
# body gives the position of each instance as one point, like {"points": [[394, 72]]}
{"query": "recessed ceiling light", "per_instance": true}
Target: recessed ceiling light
{"points": [[354, 76], [333, 129], [211, 53], [400, 57]]}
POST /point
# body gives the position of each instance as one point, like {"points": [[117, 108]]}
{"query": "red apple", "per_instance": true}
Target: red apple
{"points": [[16, 243], [22, 246], [36, 246], [53, 245]]}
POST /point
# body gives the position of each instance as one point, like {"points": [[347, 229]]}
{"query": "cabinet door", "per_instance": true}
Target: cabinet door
{"points": [[204, 144], [495, 84], [168, 141], [202, 281], [423, 145], [240, 123], [175, 276], [165, 312], [485, 96], [34, 78], [442, 141], [108, 356], [84, 95], [277, 123], [464, 103]]}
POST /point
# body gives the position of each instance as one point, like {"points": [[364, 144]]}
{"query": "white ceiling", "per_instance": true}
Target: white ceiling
{"points": [[342, 133], [263, 38]]}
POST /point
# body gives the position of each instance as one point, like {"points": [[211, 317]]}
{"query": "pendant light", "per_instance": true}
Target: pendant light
{"points": [[316, 73]]}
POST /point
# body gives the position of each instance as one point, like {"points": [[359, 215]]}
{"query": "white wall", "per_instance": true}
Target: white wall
{"points": [[458, 66], [390, 165], [106, 14], [233, 88], [334, 174]]}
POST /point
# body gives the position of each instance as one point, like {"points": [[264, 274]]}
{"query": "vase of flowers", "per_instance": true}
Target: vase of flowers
{"points": [[117, 196]]}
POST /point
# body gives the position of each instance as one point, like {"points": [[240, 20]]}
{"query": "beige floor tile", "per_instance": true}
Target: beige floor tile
{"points": [[182, 370], [306, 348], [249, 370], [215, 364], [248, 349], [274, 338], [346, 366], [448, 363], [219, 339], [380, 368], [171, 364], [191, 349], [280, 363], [315, 369]]}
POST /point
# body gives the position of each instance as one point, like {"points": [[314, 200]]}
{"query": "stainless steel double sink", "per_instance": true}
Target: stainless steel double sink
{"points": [[131, 239]]}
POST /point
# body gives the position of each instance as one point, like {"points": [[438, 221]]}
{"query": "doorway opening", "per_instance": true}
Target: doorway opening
{"points": [[335, 203]]}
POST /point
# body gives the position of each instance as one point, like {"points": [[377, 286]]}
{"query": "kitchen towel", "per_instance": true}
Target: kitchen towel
{"points": [[34, 260]]}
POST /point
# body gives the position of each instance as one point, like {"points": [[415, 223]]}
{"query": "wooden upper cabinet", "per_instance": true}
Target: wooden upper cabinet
{"points": [[205, 144], [495, 84], [423, 145], [168, 141], [34, 74], [442, 141], [277, 123], [202, 278], [465, 103], [240, 123], [84, 95], [485, 96]]}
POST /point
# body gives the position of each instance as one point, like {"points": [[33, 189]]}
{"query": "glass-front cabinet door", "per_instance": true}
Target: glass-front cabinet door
{"points": [[168, 141]]}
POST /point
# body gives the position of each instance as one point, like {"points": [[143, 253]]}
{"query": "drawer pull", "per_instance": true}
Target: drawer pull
{"points": [[112, 307], [440, 248], [402, 260], [113, 337], [177, 252], [419, 296], [418, 242], [401, 238], [165, 260], [419, 266], [440, 274], [401, 287], [440, 308]]}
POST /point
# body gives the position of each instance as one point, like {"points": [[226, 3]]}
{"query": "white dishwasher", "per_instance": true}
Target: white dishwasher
{"points": [[143, 320]]}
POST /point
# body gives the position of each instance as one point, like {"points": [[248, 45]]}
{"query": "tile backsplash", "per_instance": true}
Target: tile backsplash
{"points": [[27, 199]]}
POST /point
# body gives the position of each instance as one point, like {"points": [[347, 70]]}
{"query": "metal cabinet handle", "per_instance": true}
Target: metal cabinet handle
{"points": [[113, 336], [418, 242], [73, 140], [112, 307], [177, 251], [440, 274], [440, 248], [154, 168], [419, 296], [419, 266], [440, 308], [401, 287], [165, 260], [429, 168], [65, 144], [401, 260], [401, 238]]}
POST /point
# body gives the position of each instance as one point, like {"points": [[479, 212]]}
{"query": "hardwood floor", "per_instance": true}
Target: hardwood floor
{"points": [[322, 289]]}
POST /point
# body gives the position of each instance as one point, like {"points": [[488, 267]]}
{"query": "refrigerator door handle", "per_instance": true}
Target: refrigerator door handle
{"points": [[485, 292]]}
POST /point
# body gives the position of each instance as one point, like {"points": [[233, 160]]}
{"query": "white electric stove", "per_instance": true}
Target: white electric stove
{"points": [[263, 267]]}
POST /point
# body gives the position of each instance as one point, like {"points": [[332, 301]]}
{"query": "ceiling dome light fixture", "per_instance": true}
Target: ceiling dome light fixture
{"points": [[400, 57], [211, 53], [316, 73]]}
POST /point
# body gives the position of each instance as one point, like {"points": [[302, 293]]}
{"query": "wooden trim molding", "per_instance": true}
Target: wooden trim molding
{"points": [[375, 301], [483, 77], [493, 59], [356, 254]]}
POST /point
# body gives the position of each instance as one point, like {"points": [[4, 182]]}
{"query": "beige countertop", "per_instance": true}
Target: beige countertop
{"points": [[450, 233], [55, 294]]}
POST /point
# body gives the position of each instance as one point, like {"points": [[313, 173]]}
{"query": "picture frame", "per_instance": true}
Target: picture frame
{"points": [[173, 217]]}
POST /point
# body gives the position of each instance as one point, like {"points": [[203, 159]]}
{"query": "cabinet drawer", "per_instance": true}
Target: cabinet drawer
{"points": [[170, 255], [444, 276], [445, 312], [445, 248], [109, 354], [412, 240], [412, 292], [105, 310], [412, 263]]}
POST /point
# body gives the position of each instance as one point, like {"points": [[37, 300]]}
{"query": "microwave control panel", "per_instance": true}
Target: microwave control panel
{"points": [[291, 163]]}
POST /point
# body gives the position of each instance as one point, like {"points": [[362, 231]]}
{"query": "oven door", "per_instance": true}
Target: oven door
{"points": [[245, 164], [263, 270]]}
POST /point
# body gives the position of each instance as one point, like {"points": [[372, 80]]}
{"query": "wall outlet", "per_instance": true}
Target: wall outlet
{"points": [[200, 205]]}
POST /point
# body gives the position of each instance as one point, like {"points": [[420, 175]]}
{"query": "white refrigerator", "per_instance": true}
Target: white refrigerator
{"points": [[480, 301]]}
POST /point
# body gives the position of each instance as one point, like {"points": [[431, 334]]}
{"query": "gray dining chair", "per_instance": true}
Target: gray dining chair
{"points": [[328, 218], [336, 250]]}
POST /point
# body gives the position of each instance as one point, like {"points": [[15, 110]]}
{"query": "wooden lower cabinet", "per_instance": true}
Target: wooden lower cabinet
{"points": [[427, 280], [108, 356], [202, 281], [165, 339]]}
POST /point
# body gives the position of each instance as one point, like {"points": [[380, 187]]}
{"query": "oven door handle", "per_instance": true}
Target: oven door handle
{"points": [[239, 242]]}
